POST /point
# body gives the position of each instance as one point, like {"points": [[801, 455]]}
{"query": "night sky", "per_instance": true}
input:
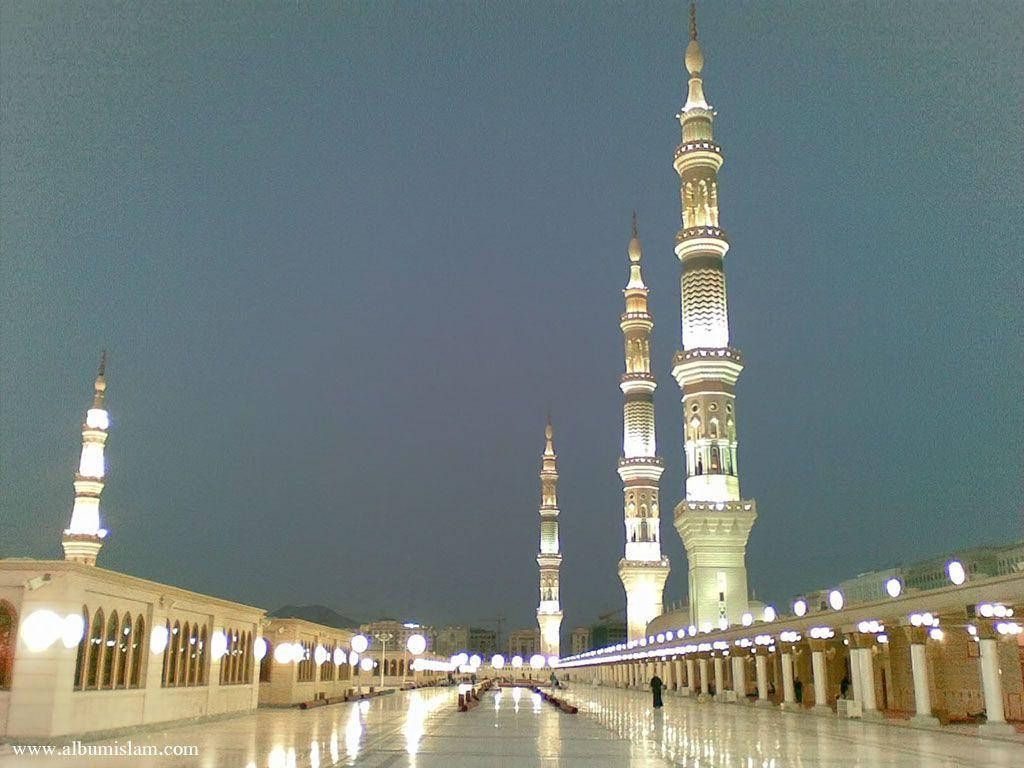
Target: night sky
{"points": [[346, 256]]}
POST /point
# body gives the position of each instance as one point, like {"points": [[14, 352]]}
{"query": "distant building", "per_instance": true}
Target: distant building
{"points": [[456, 638], [580, 640], [400, 633], [524, 642], [607, 632]]}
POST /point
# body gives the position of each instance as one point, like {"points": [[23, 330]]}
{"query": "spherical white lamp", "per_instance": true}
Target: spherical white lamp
{"points": [[366, 664], [893, 587], [259, 648], [416, 644], [41, 630], [72, 630], [340, 657], [537, 661], [497, 661], [835, 600], [218, 644], [284, 653], [769, 614], [353, 658], [360, 643], [747, 619], [517, 662], [320, 655], [956, 572], [158, 639], [800, 607]]}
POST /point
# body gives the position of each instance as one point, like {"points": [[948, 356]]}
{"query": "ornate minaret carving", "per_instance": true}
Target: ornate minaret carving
{"points": [[643, 570], [84, 536], [549, 558], [713, 522]]}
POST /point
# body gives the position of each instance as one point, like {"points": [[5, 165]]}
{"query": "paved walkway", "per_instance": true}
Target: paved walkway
{"points": [[422, 729], [689, 733]]}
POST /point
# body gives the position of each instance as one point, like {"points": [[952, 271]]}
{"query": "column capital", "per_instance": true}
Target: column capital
{"points": [[915, 635]]}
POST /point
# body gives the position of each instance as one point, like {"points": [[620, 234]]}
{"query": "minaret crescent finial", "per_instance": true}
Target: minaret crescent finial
{"points": [[693, 20], [103, 363]]}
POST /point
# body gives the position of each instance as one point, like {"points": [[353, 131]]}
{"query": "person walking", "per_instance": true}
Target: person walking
{"points": [[656, 686]]}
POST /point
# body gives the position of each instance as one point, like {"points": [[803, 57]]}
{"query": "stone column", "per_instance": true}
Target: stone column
{"points": [[719, 678], [855, 681], [691, 673], [705, 688], [865, 643], [788, 691], [820, 675], [761, 665], [739, 678], [991, 683], [918, 638]]}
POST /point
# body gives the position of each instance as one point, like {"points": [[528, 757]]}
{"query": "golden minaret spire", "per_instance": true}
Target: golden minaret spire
{"points": [[83, 538], [643, 569], [713, 521], [549, 557]]}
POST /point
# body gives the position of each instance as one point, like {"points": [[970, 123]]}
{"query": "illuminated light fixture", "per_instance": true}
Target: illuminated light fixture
{"points": [[660, 638], [411, 625], [340, 657], [835, 600], [552, 661], [705, 626], [360, 643], [883, 638], [893, 587], [723, 623], [353, 658], [416, 644], [320, 655], [800, 607], [999, 610], [474, 660], [669, 636], [218, 644], [915, 620], [769, 614], [537, 661], [158, 639], [41, 630], [691, 630], [259, 648], [987, 610], [366, 664], [72, 630], [956, 572], [936, 634], [517, 661], [650, 638], [497, 661], [284, 653], [747, 619]]}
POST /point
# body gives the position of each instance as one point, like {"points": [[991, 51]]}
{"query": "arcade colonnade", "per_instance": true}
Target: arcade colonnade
{"points": [[937, 657]]}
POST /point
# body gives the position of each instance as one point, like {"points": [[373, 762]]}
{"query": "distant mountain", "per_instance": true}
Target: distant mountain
{"points": [[318, 614]]}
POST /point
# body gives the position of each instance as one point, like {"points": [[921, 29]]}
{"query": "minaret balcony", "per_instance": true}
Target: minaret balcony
{"points": [[700, 363], [700, 145], [637, 382], [636, 320], [700, 241], [642, 468]]}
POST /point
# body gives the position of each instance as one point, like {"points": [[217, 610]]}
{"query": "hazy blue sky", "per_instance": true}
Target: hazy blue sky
{"points": [[345, 256]]}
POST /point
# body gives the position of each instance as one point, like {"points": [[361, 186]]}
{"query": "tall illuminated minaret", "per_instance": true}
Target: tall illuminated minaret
{"points": [[644, 569], [84, 537], [713, 522], [549, 558]]}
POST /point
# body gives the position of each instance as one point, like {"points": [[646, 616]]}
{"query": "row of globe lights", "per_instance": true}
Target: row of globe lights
{"points": [[955, 572], [42, 628]]}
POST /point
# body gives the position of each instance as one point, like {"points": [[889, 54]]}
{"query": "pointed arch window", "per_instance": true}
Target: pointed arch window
{"points": [[124, 639], [83, 651], [135, 676], [109, 650]]}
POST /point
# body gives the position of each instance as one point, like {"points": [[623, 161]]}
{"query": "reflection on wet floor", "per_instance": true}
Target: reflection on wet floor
{"points": [[514, 727]]}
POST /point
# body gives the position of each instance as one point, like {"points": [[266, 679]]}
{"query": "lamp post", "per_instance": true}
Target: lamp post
{"points": [[383, 637]]}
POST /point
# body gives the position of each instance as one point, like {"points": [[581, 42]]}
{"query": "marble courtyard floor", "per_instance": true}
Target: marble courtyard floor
{"points": [[422, 729]]}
